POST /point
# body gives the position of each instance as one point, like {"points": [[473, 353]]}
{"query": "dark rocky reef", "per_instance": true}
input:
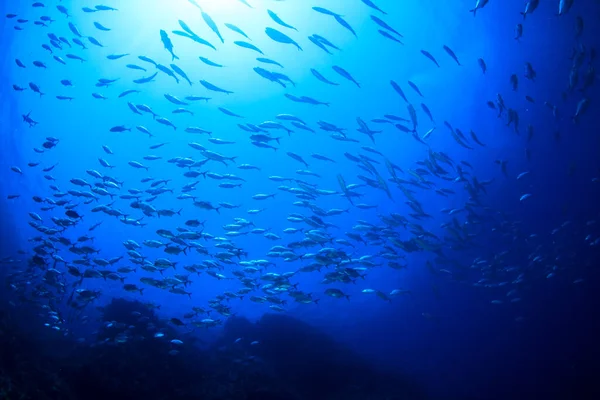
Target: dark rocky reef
{"points": [[291, 361]]}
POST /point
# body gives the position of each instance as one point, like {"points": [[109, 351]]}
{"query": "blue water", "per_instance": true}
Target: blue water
{"points": [[447, 334]]}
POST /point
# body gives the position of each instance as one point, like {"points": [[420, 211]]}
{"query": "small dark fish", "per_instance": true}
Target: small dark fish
{"points": [[247, 45], [386, 34], [74, 29], [105, 8], [133, 66], [451, 54], [63, 10], [320, 77], [268, 61], [212, 25], [399, 90], [167, 44], [94, 41], [148, 60], [214, 88], [101, 27], [415, 88], [237, 30], [116, 56], [79, 43], [125, 93], [146, 79], [345, 74], [345, 24], [384, 25], [281, 37], [278, 20], [228, 112], [181, 73], [369, 3], [428, 55], [209, 62], [482, 65]]}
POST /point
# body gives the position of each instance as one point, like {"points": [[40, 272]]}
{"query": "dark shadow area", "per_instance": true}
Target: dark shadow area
{"points": [[136, 355]]}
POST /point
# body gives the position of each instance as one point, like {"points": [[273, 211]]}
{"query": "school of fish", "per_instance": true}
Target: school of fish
{"points": [[63, 262]]}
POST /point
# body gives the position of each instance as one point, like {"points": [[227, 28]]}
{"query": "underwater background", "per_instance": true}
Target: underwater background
{"points": [[325, 199]]}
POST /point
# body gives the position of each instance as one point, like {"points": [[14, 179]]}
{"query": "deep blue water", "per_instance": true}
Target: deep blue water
{"points": [[447, 334]]}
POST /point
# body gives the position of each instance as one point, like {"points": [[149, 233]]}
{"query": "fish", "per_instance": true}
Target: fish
{"points": [[278, 20], [384, 25], [320, 77], [181, 73], [268, 61], [101, 27], [345, 74], [168, 45], [399, 90], [415, 88], [281, 37], [530, 7], [479, 4], [451, 54], [518, 32], [209, 62], [214, 88], [564, 6], [236, 29], [429, 56], [372, 5], [212, 25], [344, 23]]}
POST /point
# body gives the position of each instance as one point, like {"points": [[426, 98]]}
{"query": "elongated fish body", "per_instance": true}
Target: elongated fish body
{"points": [[325, 11], [214, 88], [268, 75], [369, 3], [168, 44], [209, 62], [181, 73], [345, 74], [268, 61], [237, 30], [146, 79], [101, 27], [582, 107], [451, 54], [388, 35], [167, 71], [482, 65], [148, 60], [281, 37], [479, 4], [564, 6], [530, 7], [428, 55], [319, 44], [344, 23], [384, 25], [212, 25], [320, 77], [279, 21], [398, 90], [247, 45], [73, 29]]}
